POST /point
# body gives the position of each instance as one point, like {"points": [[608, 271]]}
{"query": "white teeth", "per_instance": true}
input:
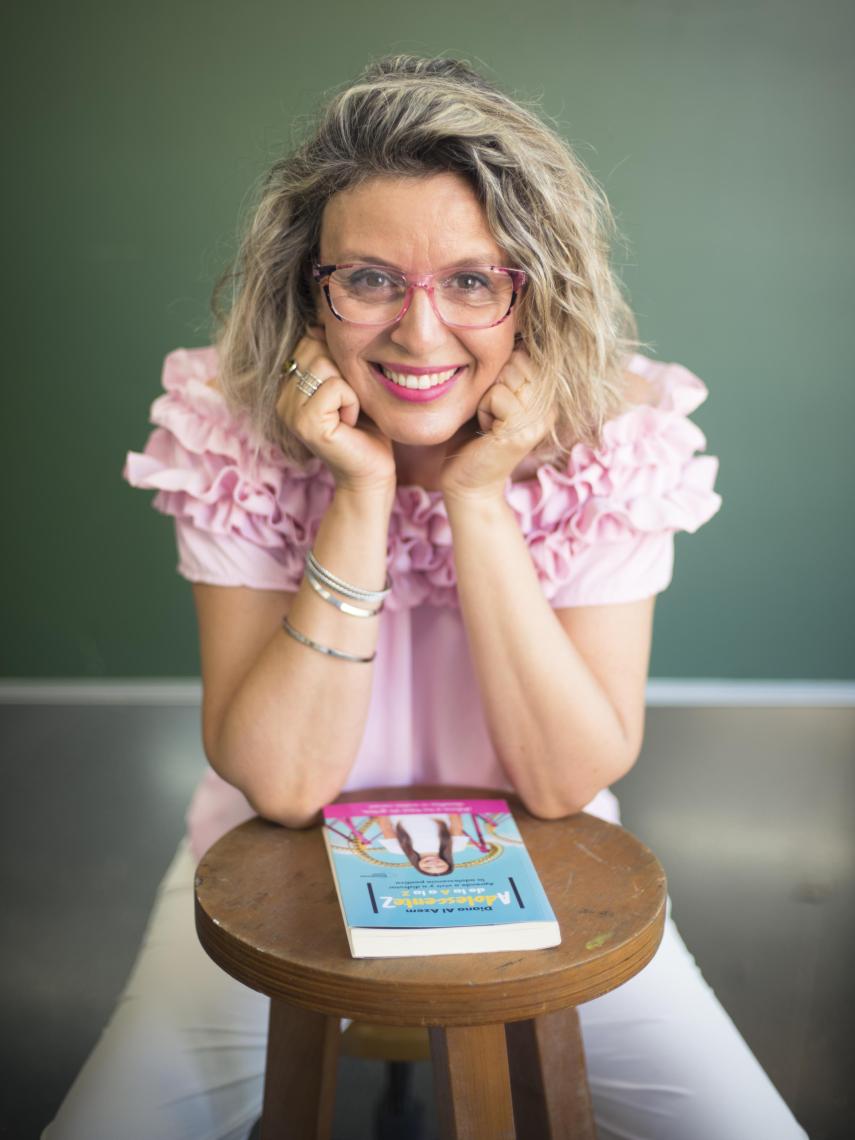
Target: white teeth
{"points": [[429, 380]]}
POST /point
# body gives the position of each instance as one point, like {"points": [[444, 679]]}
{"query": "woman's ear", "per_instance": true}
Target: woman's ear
{"points": [[314, 323]]}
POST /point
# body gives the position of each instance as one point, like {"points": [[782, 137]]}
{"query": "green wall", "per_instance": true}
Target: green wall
{"points": [[722, 134]]}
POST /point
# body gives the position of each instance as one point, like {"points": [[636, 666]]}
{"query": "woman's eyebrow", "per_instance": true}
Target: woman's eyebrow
{"points": [[477, 258]]}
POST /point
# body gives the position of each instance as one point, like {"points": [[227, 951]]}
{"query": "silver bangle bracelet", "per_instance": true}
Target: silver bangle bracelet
{"points": [[345, 607], [301, 637], [343, 587]]}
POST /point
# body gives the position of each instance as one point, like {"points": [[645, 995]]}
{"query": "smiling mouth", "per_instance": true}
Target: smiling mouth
{"points": [[425, 380]]}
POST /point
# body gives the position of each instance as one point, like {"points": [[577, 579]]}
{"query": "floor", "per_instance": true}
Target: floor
{"points": [[751, 811]]}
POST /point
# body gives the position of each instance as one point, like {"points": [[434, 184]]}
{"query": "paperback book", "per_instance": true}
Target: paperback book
{"points": [[418, 877]]}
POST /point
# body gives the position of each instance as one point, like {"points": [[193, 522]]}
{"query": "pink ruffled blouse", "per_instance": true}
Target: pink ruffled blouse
{"points": [[599, 529]]}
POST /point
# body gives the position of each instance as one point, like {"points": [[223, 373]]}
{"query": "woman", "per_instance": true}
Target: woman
{"points": [[426, 490], [430, 842]]}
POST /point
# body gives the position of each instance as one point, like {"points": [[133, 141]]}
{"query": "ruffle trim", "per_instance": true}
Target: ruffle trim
{"points": [[645, 477]]}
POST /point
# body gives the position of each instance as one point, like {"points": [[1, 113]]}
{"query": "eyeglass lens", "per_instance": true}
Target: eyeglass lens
{"points": [[372, 294]]}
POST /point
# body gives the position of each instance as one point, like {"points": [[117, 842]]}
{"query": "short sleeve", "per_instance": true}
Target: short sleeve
{"points": [[601, 530], [228, 560], [243, 515], [626, 571]]}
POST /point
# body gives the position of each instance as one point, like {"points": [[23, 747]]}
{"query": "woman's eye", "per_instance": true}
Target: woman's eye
{"points": [[467, 282], [371, 279]]}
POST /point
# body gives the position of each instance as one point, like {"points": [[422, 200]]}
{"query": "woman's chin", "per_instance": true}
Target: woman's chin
{"points": [[425, 430]]}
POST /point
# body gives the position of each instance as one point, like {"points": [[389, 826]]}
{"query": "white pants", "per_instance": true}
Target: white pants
{"points": [[183, 1056]]}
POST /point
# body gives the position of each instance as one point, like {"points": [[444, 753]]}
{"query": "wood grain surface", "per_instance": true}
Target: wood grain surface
{"points": [[472, 1083], [300, 1075], [549, 1082], [267, 913]]}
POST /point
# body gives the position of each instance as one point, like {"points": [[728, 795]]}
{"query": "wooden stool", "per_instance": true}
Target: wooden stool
{"points": [[504, 1032]]}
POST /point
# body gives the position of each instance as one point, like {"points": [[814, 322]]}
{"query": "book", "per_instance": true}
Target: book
{"points": [[418, 877]]}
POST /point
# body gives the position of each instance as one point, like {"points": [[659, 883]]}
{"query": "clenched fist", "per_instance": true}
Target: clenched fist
{"points": [[328, 422]]}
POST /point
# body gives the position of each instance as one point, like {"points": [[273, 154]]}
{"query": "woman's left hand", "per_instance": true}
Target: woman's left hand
{"points": [[480, 467]]}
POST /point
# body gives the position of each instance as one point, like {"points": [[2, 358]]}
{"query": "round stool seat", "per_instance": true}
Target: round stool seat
{"points": [[267, 913]]}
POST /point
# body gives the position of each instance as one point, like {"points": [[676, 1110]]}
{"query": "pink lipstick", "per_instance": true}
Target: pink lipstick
{"points": [[416, 395]]}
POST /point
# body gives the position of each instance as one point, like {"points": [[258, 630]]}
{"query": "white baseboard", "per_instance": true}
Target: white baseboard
{"points": [[701, 692], [102, 691], [662, 692]]}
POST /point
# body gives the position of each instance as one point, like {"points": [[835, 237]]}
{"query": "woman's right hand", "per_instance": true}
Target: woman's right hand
{"points": [[359, 456]]}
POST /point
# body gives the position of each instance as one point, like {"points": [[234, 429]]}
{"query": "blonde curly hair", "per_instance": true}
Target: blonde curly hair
{"points": [[413, 117]]}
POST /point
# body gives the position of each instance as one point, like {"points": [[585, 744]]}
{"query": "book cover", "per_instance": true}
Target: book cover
{"points": [[435, 877]]}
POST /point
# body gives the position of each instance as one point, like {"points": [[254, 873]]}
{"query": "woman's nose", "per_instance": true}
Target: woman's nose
{"points": [[420, 328]]}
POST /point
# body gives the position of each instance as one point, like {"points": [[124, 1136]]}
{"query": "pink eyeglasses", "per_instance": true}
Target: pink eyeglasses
{"points": [[471, 296]]}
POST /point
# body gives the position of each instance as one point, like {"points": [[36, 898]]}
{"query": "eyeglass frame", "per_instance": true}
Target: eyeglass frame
{"points": [[416, 281]]}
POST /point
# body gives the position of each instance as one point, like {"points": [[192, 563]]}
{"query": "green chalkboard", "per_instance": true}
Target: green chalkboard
{"points": [[722, 135]]}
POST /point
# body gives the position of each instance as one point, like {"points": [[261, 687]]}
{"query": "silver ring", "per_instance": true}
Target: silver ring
{"points": [[307, 382]]}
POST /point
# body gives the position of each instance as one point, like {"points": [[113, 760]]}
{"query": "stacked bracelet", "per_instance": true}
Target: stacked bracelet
{"points": [[345, 607], [301, 637], [323, 582], [342, 587]]}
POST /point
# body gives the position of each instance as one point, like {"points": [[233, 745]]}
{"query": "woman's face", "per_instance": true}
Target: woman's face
{"points": [[433, 865], [417, 225]]}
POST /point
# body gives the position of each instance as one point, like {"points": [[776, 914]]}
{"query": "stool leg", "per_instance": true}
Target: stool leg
{"points": [[299, 1082], [473, 1091], [552, 1100]]}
